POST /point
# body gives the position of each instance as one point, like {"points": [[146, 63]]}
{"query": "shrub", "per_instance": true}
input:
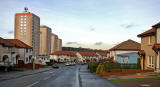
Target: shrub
{"points": [[92, 66]]}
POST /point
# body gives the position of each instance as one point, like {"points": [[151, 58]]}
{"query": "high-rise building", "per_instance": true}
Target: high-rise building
{"points": [[54, 43], [27, 29], [45, 40], [59, 45]]}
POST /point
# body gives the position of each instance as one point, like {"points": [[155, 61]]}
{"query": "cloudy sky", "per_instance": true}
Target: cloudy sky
{"points": [[98, 24]]}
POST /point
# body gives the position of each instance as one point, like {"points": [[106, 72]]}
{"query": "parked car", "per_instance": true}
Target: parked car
{"points": [[55, 66], [73, 63], [6, 65], [67, 64]]}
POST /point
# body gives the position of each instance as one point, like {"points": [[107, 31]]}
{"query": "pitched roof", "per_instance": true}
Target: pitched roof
{"points": [[88, 53], [156, 25], [64, 53], [18, 43], [127, 45], [53, 34], [6, 43], [102, 53], [147, 33]]}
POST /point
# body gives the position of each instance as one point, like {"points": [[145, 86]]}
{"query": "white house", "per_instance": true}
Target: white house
{"points": [[21, 52], [87, 56], [63, 56], [102, 55]]}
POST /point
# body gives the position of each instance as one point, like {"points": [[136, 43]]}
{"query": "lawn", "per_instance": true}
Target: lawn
{"points": [[134, 79]]}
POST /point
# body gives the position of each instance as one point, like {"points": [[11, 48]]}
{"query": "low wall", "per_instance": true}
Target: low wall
{"points": [[29, 66]]}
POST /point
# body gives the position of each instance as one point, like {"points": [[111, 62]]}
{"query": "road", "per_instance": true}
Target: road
{"points": [[67, 76]]}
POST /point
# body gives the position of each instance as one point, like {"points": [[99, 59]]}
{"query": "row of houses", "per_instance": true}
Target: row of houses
{"points": [[69, 56]]}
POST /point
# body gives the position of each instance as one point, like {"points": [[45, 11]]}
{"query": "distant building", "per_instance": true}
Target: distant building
{"points": [[27, 29], [59, 45], [87, 56], [45, 41], [124, 47], [102, 55], [54, 43], [63, 56]]}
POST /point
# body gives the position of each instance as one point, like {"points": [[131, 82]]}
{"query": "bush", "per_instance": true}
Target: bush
{"points": [[92, 66]]}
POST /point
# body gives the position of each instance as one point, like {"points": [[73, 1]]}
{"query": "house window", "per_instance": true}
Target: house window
{"points": [[150, 61], [151, 39], [122, 60], [26, 59], [26, 50], [126, 59]]}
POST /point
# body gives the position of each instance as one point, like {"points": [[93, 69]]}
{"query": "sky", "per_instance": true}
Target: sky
{"points": [[97, 24]]}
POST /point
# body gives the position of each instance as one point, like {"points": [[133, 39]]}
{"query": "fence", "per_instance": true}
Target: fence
{"points": [[110, 66]]}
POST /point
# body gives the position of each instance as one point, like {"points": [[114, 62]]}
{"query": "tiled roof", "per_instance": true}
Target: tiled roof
{"points": [[59, 39], [88, 53], [18, 43], [147, 33], [158, 24], [102, 53], [6, 43], [54, 34], [44, 26], [69, 53], [127, 45]]}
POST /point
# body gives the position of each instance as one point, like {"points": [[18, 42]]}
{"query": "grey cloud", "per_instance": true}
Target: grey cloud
{"points": [[98, 43], [92, 29], [10, 32], [128, 25], [73, 43]]}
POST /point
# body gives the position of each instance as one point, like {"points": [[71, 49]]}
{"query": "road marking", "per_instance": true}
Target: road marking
{"points": [[33, 84]]}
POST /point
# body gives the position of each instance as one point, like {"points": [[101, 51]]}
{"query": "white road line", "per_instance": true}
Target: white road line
{"points": [[33, 84]]}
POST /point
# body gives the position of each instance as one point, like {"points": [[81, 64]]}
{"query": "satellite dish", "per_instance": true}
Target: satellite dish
{"points": [[25, 9]]}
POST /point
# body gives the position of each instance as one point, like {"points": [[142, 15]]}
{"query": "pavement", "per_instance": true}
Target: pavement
{"points": [[88, 79], [66, 76], [13, 75], [137, 75]]}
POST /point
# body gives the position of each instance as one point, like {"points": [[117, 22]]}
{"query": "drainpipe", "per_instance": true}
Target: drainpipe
{"points": [[24, 55]]}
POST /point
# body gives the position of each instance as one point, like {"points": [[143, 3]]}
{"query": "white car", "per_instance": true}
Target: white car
{"points": [[67, 64]]}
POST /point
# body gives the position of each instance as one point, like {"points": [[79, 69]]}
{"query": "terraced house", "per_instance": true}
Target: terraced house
{"points": [[150, 48], [63, 56], [14, 51]]}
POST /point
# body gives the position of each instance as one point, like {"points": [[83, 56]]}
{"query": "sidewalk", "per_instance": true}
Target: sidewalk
{"points": [[88, 79], [13, 75], [138, 75]]}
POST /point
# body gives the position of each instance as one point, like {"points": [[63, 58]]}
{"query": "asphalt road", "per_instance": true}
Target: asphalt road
{"points": [[66, 76], [63, 77]]}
